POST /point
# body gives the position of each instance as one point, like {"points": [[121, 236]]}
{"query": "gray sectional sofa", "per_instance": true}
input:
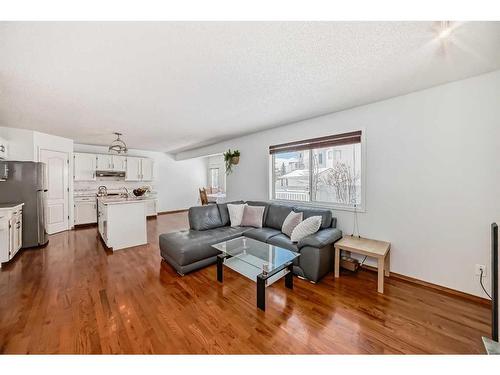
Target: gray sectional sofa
{"points": [[189, 250]]}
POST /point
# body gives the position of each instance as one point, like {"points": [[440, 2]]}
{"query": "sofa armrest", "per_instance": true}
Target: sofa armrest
{"points": [[322, 238]]}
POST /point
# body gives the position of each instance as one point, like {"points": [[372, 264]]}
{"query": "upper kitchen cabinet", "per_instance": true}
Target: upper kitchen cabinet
{"points": [[3, 149], [139, 169], [106, 162], [146, 169], [119, 163], [133, 170], [84, 167]]}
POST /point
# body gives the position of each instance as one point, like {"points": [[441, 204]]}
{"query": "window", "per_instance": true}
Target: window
{"points": [[214, 177], [326, 170]]}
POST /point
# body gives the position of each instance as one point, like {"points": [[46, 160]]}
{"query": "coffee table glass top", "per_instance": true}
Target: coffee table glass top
{"points": [[262, 257]]}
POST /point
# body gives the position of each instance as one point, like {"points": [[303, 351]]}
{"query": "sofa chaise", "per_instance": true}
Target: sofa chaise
{"points": [[191, 249]]}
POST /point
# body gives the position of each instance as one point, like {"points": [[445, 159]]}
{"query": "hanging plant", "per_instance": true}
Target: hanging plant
{"points": [[231, 158]]}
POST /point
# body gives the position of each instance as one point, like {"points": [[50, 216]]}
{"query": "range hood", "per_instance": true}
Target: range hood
{"points": [[110, 174]]}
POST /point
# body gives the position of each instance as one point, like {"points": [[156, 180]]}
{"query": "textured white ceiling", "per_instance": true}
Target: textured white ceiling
{"points": [[171, 86]]}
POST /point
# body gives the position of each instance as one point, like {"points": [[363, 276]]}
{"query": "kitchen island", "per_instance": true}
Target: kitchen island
{"points": [[122, 221]]}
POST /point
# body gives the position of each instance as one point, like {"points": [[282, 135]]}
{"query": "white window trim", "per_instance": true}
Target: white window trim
{"points": [[333, 206]]}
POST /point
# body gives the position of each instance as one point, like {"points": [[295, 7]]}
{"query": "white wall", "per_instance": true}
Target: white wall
{"points": [[176, 182], [432, 175]]}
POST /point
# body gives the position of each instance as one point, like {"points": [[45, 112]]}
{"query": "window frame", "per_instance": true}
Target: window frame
{"points": [[211, 177], [337, 206]]}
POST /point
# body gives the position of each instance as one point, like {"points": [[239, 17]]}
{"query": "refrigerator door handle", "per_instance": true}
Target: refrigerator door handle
{"points": [[41, 215]]}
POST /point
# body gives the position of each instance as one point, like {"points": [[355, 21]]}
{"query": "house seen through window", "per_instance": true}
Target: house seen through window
{"points": [[324, 170]]}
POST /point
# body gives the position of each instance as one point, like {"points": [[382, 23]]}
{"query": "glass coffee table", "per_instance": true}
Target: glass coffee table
{"points": [[258, 261]]}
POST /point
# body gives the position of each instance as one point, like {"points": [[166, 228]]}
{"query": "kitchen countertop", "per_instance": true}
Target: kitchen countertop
{"points": [[9, 206], [121, 200]]}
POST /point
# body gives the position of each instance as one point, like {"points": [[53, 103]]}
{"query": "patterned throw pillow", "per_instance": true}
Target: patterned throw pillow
{"points": [[252, 216], [291, 221], [236, 213], [309, 226]]}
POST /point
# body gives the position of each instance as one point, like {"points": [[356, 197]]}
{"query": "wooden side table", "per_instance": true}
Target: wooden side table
{"points": [[372, 248]]}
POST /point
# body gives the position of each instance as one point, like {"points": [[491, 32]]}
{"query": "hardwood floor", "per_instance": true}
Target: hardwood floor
{"points": [[76, 297]]}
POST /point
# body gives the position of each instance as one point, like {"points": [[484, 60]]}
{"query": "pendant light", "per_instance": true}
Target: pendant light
{"points": [[118, 145]]}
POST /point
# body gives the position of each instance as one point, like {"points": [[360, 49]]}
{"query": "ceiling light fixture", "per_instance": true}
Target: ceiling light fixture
{"points": [[118, 145], [444, 30]]}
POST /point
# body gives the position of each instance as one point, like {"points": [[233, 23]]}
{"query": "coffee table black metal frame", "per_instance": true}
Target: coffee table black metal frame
{"points": [[261, 279]]}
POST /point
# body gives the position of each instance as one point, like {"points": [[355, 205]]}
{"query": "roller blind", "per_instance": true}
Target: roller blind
{"points": [[321, 142]]}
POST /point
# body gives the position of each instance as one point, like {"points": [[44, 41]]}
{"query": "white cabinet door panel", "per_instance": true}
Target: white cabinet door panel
{"points": [[85, 212], [84, 167], [104, 162], [133, 172], [119, 163], [4, 150], [146, 169], [4, 239]]}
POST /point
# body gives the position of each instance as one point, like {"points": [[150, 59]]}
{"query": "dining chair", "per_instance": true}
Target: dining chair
{"points": [[203, 197]]}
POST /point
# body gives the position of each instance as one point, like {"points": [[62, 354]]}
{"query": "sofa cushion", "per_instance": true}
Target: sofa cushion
{"points": [[326, 215], [235, 213], [224, 213], [282, 240], [309, 226], [276, 215], [204, 217], [261, 204], [253, 216], [292, 220], [189, 246], [262, 234]]}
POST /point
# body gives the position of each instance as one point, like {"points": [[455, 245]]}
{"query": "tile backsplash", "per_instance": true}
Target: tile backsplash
{"points": [[111, 184]]}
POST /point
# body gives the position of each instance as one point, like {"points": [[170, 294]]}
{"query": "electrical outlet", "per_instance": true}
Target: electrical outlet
{"points": [[480, 267]]}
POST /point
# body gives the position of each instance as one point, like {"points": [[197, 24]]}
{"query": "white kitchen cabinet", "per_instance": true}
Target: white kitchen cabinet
{"points": [[108, 162], [151, 207], [102, 221], [84, 167], [11, 231], [133, 170], [4, 149], [122, 223], [104, 162], [146, 169], [119, 163], [85, 211], [139, 169]]}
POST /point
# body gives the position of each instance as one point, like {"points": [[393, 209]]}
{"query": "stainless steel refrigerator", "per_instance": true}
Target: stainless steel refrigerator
{"points": [[26, 182]]}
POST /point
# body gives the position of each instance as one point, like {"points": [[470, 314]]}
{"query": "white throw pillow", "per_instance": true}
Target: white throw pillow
{"points": [[236, 213], [309, 226], [292, 220]]}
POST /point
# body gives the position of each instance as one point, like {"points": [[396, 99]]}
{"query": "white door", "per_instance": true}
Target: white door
{"points": [[133, 172], [118, 163], [104, 162], [57, 184], [84, 167], [146, 170]]}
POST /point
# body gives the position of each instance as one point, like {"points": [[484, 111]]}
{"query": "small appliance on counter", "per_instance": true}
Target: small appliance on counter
{"points": [[102, 191], [26, 181]]}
